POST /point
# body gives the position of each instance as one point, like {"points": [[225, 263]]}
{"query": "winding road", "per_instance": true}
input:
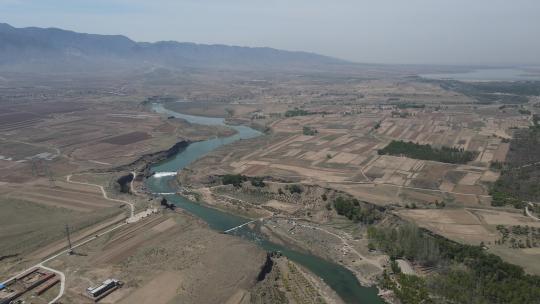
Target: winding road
{"points": [[62, 282], [529, 213]]}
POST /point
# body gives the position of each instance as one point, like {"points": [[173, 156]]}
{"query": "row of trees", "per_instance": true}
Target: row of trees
{"points": [[297, 112], [301, 112], [410, 106], [426, 152], [237, 180], [520, 173], [406, 242]]}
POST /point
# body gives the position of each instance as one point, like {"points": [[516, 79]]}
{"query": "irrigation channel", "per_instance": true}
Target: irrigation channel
{"points": [[339, 278]]}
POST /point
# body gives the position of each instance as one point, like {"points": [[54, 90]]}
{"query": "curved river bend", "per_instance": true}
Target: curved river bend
{"points": [[340, 279]]}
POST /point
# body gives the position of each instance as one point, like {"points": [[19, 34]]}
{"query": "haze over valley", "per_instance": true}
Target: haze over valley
{"points": [[214, 164]]}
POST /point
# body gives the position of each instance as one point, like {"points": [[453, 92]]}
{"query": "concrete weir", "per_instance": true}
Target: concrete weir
{"points": [[240, 226]]}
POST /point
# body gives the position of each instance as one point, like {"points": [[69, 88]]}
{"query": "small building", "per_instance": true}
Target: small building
{"points": [[258, 115], [107, 285]]}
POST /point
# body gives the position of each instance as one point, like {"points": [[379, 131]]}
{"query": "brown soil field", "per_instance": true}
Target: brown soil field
{"points": [[459, 224], [472, 226], [23, 151], [94, 133], [501, 153], [128, 138], [497, 217], [161, 289], [345, 151], [65, 195], [70, 137], [42, 108], [12, 118], [526, 258]]}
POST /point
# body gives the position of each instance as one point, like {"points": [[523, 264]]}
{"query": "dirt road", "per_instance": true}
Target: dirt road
{"points": [[529, 213], [104, 193]]}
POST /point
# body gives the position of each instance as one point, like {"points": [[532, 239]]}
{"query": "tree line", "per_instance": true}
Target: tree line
{"points": [[237, 180], [520, 173], [427, 152], [464, 273]]}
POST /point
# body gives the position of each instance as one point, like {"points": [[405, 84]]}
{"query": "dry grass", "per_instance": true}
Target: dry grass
{"points": [[166, 258], [26, 226], [459, 224]]}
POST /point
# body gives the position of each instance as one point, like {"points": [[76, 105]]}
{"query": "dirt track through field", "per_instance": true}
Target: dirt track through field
{"points": [[104, 193], [66, 202]]}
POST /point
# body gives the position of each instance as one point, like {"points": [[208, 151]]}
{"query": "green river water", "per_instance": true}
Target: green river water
{"points": [[340, 279]]}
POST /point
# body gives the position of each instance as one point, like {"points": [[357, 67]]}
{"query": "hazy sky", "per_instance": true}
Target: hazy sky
{"points": [[374, 31]]}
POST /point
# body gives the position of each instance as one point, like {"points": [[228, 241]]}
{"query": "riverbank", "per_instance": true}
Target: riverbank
{"points": [[303, 235], [304, 221], [337, 277]]}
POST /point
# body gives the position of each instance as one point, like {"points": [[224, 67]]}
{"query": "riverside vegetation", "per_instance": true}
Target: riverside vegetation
{"points": [[461, 273]]}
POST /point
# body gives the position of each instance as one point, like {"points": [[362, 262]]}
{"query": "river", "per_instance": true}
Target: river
{"points": [[340, 279]]}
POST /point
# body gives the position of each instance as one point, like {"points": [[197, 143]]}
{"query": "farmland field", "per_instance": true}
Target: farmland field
{"points": [[128, 138], [316, 175]]}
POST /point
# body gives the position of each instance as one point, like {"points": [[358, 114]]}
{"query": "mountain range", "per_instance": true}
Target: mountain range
{"points": [[53, 49]]}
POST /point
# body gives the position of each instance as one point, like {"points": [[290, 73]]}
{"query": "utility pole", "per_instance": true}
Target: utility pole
{"points": [[70, 252], [49, 174], [34, 167]]}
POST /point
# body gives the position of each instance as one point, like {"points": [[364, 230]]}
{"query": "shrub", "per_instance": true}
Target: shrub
{"points": [[233, 179], [257, 182], [309, 131], [294, 189], [351, 209]]}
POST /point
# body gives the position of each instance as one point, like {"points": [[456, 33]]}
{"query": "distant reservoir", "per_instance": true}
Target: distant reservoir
{"points": [[506, 74]]}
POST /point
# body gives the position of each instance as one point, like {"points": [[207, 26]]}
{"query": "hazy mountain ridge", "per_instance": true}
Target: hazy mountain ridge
{"points": [[67, 50]]}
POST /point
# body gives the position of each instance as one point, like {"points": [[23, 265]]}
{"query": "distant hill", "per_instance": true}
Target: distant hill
{"points": [[52, 49]]}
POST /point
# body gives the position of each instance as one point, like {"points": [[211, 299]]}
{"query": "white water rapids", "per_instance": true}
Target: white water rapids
{"points": [[162, 174]]}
